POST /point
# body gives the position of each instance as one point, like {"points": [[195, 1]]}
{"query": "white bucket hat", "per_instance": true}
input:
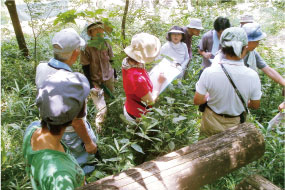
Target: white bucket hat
{"points": [[195, 23], [68, 40], [246, 18], [144, 48]]}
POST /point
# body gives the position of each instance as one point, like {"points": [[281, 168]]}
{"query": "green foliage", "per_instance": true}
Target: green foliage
{"points": [[71, 15], [98, 42]]}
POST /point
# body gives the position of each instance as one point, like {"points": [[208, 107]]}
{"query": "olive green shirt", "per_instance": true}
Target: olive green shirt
{"points": [[50, 169]]}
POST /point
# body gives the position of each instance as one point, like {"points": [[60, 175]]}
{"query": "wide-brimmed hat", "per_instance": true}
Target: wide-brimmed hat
{"points": [[62, 96], [67, 40], [246, 18], [254, 32], [176, 31], [195, 23], [144, 48]]}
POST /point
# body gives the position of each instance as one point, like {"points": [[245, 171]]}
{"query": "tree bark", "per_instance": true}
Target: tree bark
{"points": [[256, 182], [193, 166], [17, 26], [124, 22]]}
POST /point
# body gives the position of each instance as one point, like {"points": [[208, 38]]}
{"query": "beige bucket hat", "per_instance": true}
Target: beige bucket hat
{"points": [[144, 48]]}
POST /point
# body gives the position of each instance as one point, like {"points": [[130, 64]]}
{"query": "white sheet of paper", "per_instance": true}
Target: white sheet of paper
{"points": [[170, 71]]}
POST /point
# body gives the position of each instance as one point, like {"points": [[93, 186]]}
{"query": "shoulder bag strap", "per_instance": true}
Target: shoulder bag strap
{"points": [[237, 91]]}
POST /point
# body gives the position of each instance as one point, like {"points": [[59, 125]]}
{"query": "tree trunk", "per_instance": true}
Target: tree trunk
{"points": [[256, 182], [17, 26], [124, 22], [193, 166]]}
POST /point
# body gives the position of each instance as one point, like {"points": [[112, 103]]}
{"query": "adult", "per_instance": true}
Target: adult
{"points": [[175, 49], [79, 136], [224, 106], [192, 29], [210, 42], [253, 58], [50, 164], [244, 19], [139, 90], [96, 61]]}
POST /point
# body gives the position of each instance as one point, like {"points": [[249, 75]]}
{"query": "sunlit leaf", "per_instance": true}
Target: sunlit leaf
{"points": [[177, 119], [137, 148]]}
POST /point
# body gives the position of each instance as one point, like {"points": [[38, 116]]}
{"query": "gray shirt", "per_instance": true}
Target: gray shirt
{"points": [[260, 63], [206, 45]]}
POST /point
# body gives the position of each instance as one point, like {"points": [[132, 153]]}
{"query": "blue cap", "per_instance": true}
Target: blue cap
{"points": [[253, 32]]}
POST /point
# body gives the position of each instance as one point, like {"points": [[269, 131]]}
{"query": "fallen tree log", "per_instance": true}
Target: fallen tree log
{"points": [[256, 182], [193, 166]]}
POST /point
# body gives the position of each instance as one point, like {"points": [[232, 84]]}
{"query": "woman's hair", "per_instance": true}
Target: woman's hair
{"points": [[54, 129], [230, 51], [221, 23], [168, 36], [132, 60]]}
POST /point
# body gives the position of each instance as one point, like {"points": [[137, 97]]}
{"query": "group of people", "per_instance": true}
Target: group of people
{"points": [[59, 149]]}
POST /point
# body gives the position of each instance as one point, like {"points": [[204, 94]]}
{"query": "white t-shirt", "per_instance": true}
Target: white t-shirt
{"points": [[177, 52], [222, 96]]}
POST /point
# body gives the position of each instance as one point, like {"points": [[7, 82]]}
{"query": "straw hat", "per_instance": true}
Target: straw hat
{"points": [[144, 48]]}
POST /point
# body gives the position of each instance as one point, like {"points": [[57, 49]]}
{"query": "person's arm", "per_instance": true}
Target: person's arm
{"points": [[85, 62], [186, 58], [274, 75], [201, 48], [80, 128], [281, 107], [150, 98], [86, 71], [255, 95], [254, 104], [206, 55], [201, 94], [200, 98]]}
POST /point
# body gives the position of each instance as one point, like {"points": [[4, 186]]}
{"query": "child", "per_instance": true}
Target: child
{"points": [[137, 84], [175, 48], [97, 68]]}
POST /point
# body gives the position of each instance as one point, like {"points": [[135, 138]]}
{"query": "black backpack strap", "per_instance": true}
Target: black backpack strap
{"points": [[236, 90]]}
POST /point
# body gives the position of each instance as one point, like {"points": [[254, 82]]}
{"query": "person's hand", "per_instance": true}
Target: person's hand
{"points": [[207, 55], [281, 106], [96, 87], [91, 147], [161, 78]]}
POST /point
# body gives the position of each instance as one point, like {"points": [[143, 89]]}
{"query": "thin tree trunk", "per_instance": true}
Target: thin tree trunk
{"points": [[17, 26], [124, 22]]}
